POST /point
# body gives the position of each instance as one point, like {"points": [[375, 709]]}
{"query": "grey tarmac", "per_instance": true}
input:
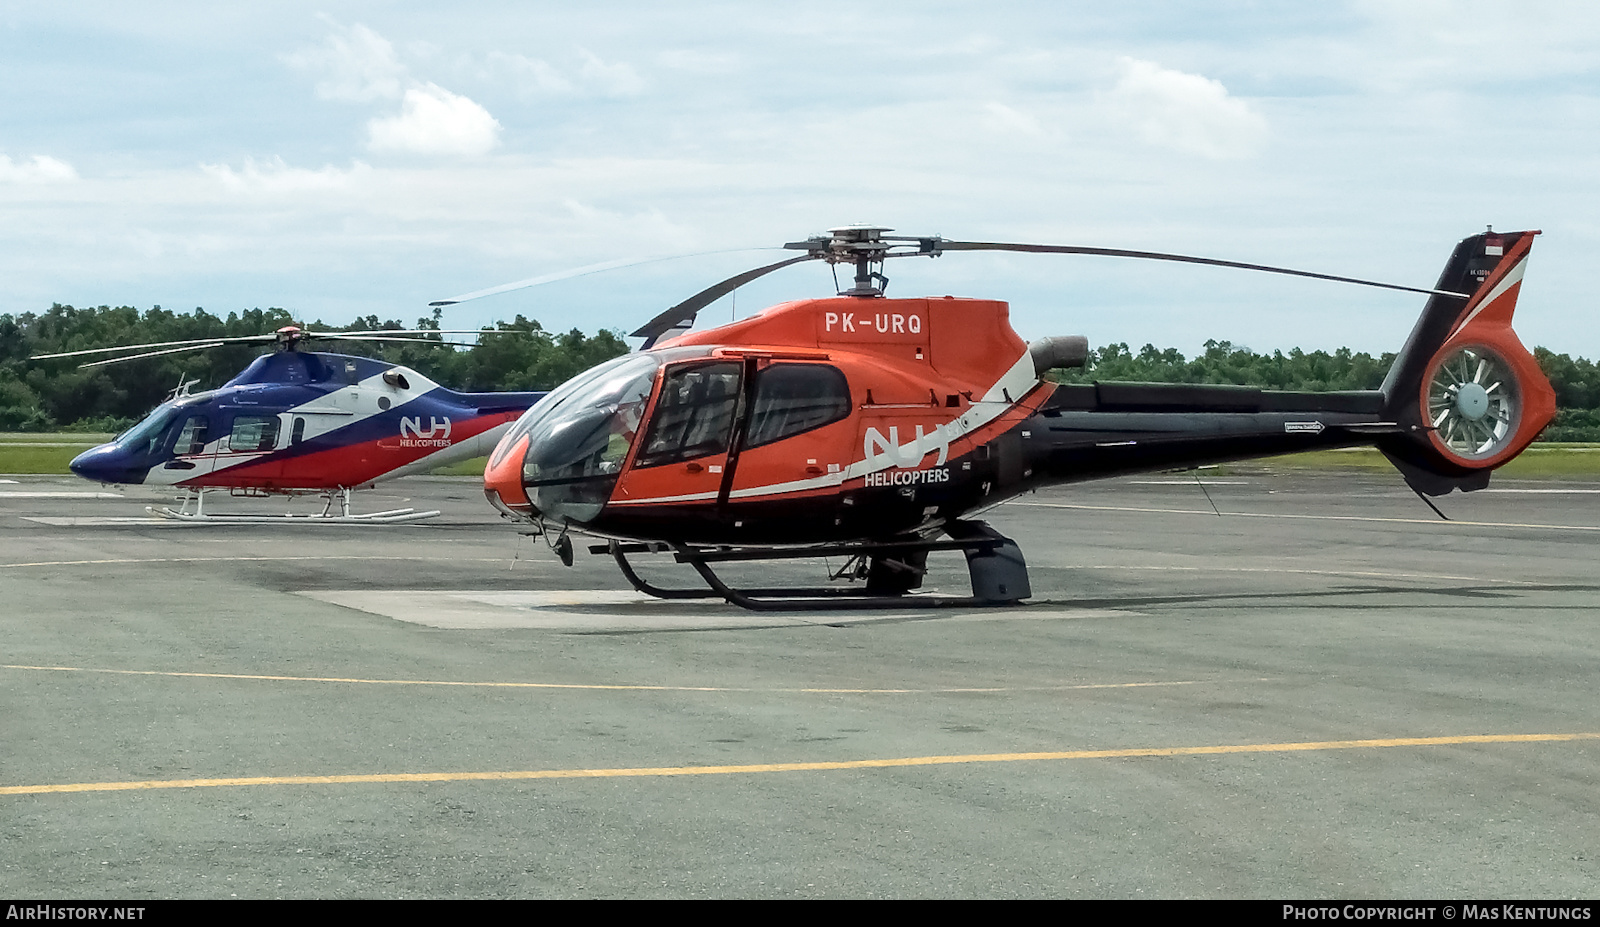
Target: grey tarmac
{"points": [[1326, 692]]}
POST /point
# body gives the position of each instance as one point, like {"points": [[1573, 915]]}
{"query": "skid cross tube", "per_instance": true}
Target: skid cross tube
{"points": [[798, 598]]}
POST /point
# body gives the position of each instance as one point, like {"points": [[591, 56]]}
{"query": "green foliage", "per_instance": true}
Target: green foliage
{"points": [[1223, 362], [56, 395], [1574, 425], [1577, 382]]}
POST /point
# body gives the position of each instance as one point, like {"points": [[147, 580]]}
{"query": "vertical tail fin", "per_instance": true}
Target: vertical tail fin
{"points": [[1468, 394]]}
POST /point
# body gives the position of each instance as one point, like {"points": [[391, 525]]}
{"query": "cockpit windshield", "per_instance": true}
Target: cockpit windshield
{"points": [[145, 438], [579, 435]]}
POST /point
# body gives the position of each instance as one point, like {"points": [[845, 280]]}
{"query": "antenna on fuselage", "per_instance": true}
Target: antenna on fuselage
{"points": [[182, 389]]}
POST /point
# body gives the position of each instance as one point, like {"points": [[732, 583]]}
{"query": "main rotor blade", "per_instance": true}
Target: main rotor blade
{"points": [[205, 342], [133, 357], [580, 272], [399, 331], [454, 344], [687, 309], [1183, 259], [270, 338]]}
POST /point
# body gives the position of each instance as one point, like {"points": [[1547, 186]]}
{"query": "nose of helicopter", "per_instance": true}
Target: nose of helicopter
{"points": [[502, 478], [107, 463]]}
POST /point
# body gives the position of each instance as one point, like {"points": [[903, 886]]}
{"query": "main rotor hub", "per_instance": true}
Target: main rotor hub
{"points": [[289, 337], [867, 248]]}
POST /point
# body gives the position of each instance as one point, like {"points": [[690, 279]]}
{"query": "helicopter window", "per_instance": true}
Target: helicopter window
{"points": [[299, 433], [581, 432], [792, 398], [694, 416], [147, 436], [254, 433], [193, 436]]}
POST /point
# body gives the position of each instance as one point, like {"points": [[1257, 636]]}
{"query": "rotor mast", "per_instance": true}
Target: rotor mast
{"points": [[867, 247]]}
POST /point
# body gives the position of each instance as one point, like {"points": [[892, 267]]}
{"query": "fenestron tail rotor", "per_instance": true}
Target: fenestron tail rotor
{"points": [[1472, 403]]}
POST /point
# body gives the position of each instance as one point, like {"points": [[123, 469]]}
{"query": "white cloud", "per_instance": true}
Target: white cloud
{"points": [[590, 76], [533, 76], [1013, 120], [360, 66], [275, 176], [618, 80], [697, 61], [42, 169], [433, 120], [357, 64], [1185, 112]]}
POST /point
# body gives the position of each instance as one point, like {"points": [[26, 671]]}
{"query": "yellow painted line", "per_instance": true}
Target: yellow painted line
{"points": [[1370, 518], [755, 768], [604, 686]]}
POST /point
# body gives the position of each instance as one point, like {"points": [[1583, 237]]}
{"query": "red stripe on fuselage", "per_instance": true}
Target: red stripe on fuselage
{"points": [[344, 466]]}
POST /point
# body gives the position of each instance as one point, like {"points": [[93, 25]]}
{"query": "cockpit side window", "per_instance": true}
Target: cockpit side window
{"points": [[694, 416], [253, 433], [192, 437], [794, 398]]}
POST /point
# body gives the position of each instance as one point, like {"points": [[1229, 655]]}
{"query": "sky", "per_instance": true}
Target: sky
{"points": [[344, 160]]}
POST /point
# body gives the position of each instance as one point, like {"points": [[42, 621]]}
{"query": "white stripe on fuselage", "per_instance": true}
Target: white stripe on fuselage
{"points": [[1000, 398]]}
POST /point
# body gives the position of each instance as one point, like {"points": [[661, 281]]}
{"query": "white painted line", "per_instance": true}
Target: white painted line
{"points": [[591, 611], [1188, 482], [1436, 522], [8, 494], [105, 521], [547, 610], [1559, 491]]}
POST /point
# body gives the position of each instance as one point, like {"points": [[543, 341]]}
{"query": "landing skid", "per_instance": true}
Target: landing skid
{"points": [[892, 571], [327, 517]]}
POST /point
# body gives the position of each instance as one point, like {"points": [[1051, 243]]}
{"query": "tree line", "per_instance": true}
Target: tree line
{"points": [[521, 355], [1576, 380]]}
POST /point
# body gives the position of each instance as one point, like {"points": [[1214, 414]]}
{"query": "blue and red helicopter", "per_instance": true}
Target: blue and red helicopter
{"points": [[297, 422]]}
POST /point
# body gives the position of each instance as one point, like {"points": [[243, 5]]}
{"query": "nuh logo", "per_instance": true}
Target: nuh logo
{"points": [[882, 452], [437, 435]]}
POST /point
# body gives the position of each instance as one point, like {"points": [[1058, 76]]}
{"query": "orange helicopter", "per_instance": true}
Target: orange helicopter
{"points": [[876, 428]]}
